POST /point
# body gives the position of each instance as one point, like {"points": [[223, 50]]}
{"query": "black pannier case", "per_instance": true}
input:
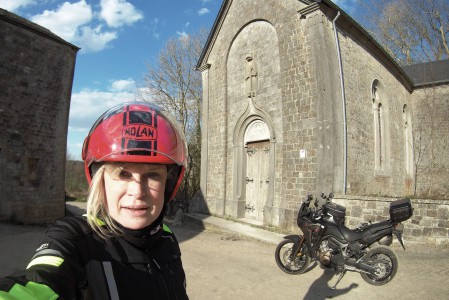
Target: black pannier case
{"points": [[335, 210], [400, 210]]}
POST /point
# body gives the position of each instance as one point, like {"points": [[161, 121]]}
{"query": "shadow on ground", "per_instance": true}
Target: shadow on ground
{"points": [[185, 231], [322, 289]]}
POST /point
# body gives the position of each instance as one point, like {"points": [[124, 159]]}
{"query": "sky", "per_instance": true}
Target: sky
{"points": [[118, 39]]}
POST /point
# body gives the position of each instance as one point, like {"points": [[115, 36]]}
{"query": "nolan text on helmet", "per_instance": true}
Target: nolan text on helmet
{"points": [[140, 132]]}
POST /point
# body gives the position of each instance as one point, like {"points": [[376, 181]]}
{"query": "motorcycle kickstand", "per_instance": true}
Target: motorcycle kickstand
{"points": [[338, 279]]}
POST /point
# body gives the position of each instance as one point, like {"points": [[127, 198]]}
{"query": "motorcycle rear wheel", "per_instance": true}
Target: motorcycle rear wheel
{"points": [[386, 263], [296, 266]]}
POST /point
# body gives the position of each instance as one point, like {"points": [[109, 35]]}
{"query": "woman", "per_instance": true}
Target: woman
{"points": [[134, 158]]}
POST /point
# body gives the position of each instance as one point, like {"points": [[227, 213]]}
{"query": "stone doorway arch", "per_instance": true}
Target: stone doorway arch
{"points": [[254, 165]]}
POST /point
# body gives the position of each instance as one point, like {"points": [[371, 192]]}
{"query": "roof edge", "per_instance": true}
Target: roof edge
{"points": [[370, 38], [26, 24], [211, 38]]}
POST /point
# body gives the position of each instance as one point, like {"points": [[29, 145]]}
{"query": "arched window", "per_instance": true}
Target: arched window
{"points": [[381, 136]]}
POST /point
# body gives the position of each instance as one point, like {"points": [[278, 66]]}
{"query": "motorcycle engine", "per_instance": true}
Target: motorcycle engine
{"points": [[325, 253]]}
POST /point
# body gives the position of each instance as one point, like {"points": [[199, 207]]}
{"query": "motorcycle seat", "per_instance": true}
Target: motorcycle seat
{"points": [[373, 228], [350, 234]]}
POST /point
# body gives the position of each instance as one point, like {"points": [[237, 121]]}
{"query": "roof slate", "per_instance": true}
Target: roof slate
{"points": [[429, 73]]}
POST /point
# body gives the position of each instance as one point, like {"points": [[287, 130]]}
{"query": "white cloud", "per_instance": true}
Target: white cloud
{"points": [[117, 13], [15, 5], [77, 23], [79, 129], [145, 94], [93, 39], [123, 85], [74, 148], [203, 11], [86, 106], [182, 35], [154, 28], [66, 19]]}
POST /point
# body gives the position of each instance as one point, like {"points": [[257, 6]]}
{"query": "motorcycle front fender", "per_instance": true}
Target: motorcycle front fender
{"points": [[293, 237], [297, 240]]}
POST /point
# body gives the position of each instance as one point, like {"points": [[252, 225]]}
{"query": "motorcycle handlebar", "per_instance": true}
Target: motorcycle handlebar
{"points": [[315, 212]]}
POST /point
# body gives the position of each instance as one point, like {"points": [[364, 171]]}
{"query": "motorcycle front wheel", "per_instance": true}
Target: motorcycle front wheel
{"points": [[298, 264], [385, 262]]}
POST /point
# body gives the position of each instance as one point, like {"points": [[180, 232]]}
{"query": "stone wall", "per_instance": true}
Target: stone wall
{"points": [[429, 223], [431, 135], [36, 73], [365, 67]]}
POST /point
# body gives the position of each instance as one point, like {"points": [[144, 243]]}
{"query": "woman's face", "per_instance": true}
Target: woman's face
{"points": [[135, 193]]}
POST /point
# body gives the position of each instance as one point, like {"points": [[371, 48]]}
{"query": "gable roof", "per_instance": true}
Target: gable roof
{"points": [[227, 3], [418, 75]]}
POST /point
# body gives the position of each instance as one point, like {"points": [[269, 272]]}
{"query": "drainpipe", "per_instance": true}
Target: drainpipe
{"points": [[343, 99]]}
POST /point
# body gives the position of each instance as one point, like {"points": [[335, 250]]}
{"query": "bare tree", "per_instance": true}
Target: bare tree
{"points": [[412, 31], [75, 181], [174, 84]]}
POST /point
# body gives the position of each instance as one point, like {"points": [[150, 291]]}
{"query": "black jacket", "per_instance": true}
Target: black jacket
{"points": [[77, 264]]}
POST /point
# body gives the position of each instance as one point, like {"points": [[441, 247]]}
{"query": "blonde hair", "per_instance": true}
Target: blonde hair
{"points": [[98, 217]]}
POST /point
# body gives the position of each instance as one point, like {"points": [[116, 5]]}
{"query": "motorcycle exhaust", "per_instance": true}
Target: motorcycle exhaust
{"points": [[360, 266]]}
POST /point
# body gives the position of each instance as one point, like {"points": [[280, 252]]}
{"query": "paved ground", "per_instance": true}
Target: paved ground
{"points": [[221, 263]]}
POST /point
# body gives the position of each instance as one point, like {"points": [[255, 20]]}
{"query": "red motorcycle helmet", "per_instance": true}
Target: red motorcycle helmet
{"points": [[137, 132]]}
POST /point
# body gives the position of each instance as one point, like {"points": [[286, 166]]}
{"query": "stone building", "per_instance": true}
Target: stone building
{"points": [[298, 99], [36, 74]]}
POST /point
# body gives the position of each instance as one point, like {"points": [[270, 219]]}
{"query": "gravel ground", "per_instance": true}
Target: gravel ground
{"points": [[223, 265]]}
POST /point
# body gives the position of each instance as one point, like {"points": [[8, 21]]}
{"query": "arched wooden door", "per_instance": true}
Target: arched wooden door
{"points": [[257, 179]]}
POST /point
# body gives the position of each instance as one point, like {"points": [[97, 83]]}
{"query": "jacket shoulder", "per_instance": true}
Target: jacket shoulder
{"points": [[169, 243], [70, 227]]}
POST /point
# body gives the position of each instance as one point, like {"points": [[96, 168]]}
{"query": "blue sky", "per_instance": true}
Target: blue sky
{"points": [[118, 38]]}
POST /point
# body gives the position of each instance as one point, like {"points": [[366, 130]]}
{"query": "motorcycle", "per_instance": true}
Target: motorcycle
{"points": [[329, 242]]}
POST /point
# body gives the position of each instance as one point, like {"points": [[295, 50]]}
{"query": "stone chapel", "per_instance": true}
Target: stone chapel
{"points": [[298, 98]]}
